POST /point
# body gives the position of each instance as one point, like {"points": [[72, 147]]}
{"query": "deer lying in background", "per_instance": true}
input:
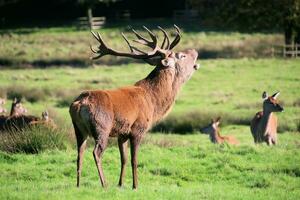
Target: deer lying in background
{"points": [[264, 124], [129, 112], [2, 102], [214, 133], [17, 108], [45, 121], [18, 121]]}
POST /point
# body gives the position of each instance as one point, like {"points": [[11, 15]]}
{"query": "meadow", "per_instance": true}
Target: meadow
{"points": [[176, 161]]}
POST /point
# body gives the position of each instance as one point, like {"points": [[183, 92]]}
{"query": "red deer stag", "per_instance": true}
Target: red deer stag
{"points": [[264, 124], [214, 133], [129, 112]]}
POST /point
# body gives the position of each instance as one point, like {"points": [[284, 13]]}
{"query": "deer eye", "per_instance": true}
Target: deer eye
{"points": [[180, 56]]}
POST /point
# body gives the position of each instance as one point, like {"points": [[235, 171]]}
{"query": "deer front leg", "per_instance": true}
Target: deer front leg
{"points": [[134, 145], [122, 142]]}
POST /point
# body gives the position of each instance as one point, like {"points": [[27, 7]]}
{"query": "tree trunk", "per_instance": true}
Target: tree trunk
{"points": [[90, 17]]}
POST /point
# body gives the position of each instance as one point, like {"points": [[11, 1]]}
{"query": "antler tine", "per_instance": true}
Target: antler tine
{"points": [[152, 35], [166, 39], [92, 49], [132, 48], [141, 40], [140, 37], [177, 37]]}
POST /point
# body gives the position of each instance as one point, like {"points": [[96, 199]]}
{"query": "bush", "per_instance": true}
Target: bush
{"points": [[31, 95], [33, 140]]}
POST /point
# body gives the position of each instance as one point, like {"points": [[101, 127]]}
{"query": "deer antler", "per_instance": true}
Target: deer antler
{"points": [[136, 53]]}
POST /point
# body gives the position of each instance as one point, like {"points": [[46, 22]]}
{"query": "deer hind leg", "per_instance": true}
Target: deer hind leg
{"points": [[81, 144], [101, 139], [123, 142], [134, 146]]}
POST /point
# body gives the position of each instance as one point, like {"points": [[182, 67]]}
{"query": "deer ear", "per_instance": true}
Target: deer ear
{"points": [[168, 62], [217, 121], [264, 95], [276, 95]]}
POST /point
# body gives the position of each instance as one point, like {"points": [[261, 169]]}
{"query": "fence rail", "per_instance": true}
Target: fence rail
{"points": [[291, 50], [95, 23], [286, 50]]}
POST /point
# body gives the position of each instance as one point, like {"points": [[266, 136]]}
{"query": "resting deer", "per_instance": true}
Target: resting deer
{"points": [[214, 133], [17, 108], [18, 121], [44, 121], [264, 124], [129, 112]]}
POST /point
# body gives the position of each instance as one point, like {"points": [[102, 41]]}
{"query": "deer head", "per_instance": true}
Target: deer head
{"points": [[182, 64], [270, 103], [45, 116], [17, 108]]}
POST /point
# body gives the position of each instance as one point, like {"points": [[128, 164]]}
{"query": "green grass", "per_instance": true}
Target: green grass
{"points": [[231, 88], [170, 167], [51, 47]]}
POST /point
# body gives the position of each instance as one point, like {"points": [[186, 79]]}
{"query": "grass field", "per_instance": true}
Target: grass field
{"points": [[171, 165]]}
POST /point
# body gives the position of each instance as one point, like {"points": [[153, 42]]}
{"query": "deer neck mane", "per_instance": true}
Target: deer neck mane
{"points": [[265, 120], [162, 87], [214, 135]]}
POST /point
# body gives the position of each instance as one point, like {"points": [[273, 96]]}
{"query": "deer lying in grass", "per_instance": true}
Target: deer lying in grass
{"points": [[129, 112], [18, 121], [214, 133], [264, 124]]}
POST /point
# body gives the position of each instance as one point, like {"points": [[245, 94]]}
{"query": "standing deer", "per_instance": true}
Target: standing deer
{"points": [[264, 124], [214, 133], [129, 112]]}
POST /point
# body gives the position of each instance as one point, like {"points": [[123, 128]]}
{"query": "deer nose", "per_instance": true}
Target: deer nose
{"points": [[196, 66]]}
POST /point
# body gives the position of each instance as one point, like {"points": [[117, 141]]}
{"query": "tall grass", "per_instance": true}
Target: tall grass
{"points": [[33, 140]]}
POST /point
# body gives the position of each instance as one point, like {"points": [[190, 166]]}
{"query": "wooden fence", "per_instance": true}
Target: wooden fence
{"points": [[286, 50], [95, 23], [291, 50]]}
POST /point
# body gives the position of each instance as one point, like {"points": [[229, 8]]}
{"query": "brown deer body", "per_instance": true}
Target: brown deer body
{"points": [[264, 124], [214, 133], [129, 112]]}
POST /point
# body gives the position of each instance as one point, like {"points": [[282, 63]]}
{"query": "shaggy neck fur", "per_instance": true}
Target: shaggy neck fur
{"points": [[264, 122], [214, 135], [162, 86]]}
